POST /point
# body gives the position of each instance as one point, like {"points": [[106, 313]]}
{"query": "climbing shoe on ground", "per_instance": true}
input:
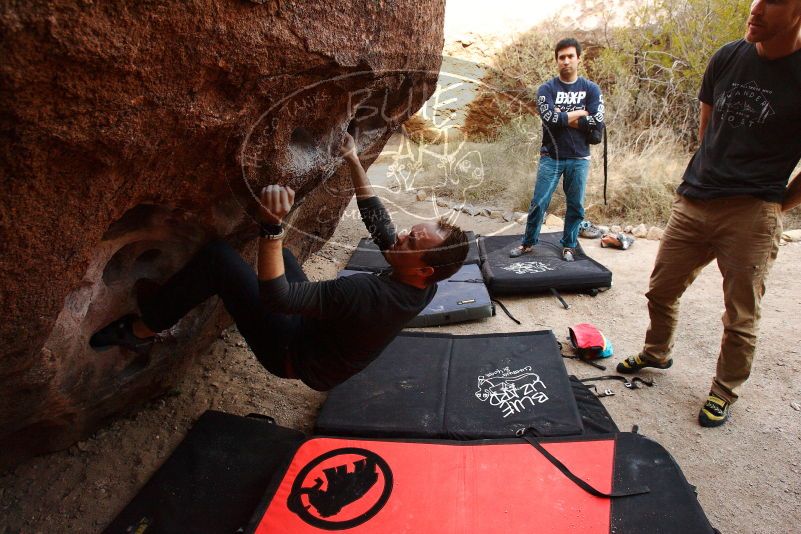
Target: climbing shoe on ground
{"points": [[568, 254], [715, 411], [120, 333], [589, 230], [632, 364], [519, 251]]}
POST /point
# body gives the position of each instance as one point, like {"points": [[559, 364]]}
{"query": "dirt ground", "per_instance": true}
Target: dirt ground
{"points": [[747, 472]]}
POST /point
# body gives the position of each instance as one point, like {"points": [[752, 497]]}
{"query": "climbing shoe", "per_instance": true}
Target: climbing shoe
{"points": [[589, 230], [120, 333], [632, 364], [715, 411], [519, 251], [568, 254]]}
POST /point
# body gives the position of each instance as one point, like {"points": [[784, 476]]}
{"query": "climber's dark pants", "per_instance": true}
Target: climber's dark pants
{"points": [[218, 269]]}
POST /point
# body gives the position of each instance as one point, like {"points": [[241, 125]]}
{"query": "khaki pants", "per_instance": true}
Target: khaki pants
{"points": [[742, 234]]}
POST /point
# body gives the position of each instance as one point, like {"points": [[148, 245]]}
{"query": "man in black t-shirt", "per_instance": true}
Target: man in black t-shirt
{"points": [[729, 203], [319, 332]]}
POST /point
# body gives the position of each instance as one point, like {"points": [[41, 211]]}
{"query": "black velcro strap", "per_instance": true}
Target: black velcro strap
{"points": [[588, 362], [579, 482], [507, 312], [606, 165]]}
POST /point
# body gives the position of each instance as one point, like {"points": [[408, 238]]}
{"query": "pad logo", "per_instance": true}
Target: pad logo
{"points": [[528, 267], [341, 489], [511, 391]]}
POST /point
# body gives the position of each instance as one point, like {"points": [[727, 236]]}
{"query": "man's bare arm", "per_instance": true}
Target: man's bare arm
{"points": [[706, 112], [361, 185], [276, 202], [792, 196]]}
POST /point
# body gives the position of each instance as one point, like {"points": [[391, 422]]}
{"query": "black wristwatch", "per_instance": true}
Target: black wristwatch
{"points": [[271, 231]]}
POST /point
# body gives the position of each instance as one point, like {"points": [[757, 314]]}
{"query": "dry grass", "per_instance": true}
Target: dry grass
{"points": [[495, 173], [501, 173], [643, 177]]}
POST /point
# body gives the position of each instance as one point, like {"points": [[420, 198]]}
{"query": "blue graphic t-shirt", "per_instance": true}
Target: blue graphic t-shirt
{"points": [[753, 140], [555, 99]]}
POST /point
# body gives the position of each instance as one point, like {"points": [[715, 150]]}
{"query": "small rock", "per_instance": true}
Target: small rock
{"points": [[471, 210], [553, 220], [508, 216], [421, 195], [83, 446], [603, 229], [639, 231], [616, 229], [792, 236], [796, 406], [628, 228], [496, 214], [520, 217], [485, 212], [654, 233], [442, 203]]}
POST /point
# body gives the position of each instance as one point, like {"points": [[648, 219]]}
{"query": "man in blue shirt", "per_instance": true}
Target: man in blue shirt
{"points": [[571, 108]]}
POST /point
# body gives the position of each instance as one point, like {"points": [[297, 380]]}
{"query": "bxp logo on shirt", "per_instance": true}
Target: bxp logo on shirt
{"points": [[570, 98], [341, 489]]}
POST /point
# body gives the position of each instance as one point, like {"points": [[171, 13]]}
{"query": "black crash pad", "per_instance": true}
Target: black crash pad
{"points": [[365, 486], [466, 387], [540, 271], [214, 479], [367, 257]]}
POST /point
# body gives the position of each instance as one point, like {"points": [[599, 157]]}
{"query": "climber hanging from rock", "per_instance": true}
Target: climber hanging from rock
{"points": [[318, 332]]}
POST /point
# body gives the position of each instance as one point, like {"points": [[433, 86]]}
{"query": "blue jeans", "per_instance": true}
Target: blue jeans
{"points": [[575, 173]]}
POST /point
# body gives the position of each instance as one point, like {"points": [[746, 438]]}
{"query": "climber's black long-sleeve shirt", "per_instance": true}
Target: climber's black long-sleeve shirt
{"points": [[347, 322]]}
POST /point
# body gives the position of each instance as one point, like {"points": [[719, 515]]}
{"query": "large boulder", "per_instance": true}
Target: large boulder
{"points": [[132, 132]]}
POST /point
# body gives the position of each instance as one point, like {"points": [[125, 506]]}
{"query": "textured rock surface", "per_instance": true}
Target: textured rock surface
{"points": [[132, 132]]}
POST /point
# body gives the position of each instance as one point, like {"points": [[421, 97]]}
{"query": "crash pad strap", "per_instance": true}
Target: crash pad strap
{"points": [[576, 480]]}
